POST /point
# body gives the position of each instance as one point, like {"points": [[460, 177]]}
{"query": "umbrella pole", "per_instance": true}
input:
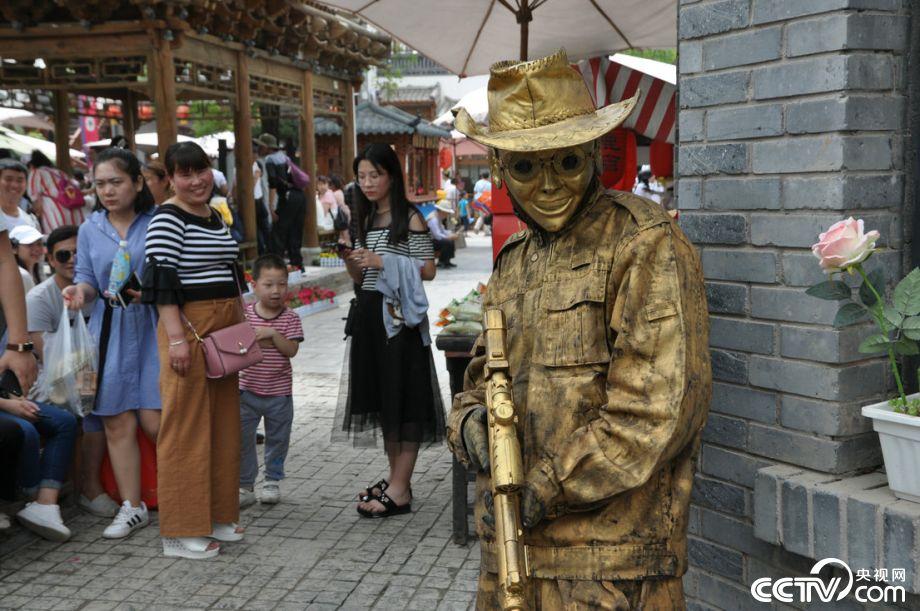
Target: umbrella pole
{"points": [[524, 17]]}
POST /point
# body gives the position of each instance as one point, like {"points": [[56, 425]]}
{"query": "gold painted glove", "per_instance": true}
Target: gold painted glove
{"points": [[476, 438], [533, 510]]}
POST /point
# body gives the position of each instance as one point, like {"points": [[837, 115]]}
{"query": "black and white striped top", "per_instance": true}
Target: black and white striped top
{"points": [[189, 255], [418, 246]]}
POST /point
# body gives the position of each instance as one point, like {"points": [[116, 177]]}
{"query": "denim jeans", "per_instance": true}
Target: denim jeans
{"points": [[45, 468], [279, 416]]}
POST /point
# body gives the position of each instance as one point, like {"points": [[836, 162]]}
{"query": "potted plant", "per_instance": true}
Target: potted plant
{"points": [[843, 248], [310, 300]]}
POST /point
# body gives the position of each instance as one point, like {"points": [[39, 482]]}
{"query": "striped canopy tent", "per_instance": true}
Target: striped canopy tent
{"points": [[612, 79]]}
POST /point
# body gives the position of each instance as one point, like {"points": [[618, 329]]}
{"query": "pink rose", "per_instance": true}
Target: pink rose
{"points": [[843, 245]]}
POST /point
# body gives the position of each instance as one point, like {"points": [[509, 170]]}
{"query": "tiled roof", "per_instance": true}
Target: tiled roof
{"points": [[324, 126], [373, 119], [411, 94]]}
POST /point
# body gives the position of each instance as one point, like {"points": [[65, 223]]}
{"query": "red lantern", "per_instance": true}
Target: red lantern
{"points": [[661, 157], [113, 111], [445, 158], [145, 112], [183, 111]]}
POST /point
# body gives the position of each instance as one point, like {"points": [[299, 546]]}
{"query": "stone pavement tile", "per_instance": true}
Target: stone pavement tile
{"points": [[99, 605], [231, 603]]}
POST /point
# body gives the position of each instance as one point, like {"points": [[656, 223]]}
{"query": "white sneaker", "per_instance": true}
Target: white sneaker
{"points": [[271, 493], [127, 521], [45, 521], [102, 506], [4, 521], [247, 498]]}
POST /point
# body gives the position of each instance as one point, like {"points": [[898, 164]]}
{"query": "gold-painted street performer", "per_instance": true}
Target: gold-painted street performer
{"points": [[607, 352]]}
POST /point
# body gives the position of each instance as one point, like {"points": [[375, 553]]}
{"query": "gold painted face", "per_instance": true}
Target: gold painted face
{"points": [[549, 185]]}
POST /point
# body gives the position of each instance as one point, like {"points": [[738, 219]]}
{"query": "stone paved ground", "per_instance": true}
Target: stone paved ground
{"points": [[311, 551]]}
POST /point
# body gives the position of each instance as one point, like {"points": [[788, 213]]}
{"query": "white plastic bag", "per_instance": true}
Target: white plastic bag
{"points": [[68, 378]]}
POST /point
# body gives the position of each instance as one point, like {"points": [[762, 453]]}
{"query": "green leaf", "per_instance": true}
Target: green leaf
{"points": [[911, 327], [893, 316], [877, 278], [848, 314], [874, 344], [907, 294], [832, 290], [906, 347]]}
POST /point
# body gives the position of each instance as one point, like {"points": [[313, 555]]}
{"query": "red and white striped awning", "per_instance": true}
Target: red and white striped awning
{"points": [[610, 81]]}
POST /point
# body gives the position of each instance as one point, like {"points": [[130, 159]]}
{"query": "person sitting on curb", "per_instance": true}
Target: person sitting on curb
{"points": [[44, 305], [443, 240]]}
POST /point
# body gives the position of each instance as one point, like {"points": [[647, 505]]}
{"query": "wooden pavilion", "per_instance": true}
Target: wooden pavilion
{"points": [[239, 52]]}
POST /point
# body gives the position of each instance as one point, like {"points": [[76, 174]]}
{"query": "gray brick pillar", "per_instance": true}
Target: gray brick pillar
{"points": [[792, 116]]}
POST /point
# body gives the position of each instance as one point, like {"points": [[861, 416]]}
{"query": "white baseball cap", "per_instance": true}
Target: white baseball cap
{"points": [[25, 234]]}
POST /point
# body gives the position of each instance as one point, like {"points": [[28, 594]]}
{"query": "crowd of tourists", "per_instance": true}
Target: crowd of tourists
{"points": [[145, 263]]}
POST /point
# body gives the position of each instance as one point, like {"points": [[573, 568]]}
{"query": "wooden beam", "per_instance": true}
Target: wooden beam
{"points": [[242, 129], [308, 158], [71, 47], [348, 134], [163, 82], [129, 113], [62, 131]]}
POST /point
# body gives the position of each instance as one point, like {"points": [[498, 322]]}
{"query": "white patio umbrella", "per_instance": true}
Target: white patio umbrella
{"points": [[23, 118], [475, 102], [468, 36], [24, 145]]}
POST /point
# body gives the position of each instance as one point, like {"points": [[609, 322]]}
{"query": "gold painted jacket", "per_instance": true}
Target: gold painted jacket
{"points": [[608, 349]]}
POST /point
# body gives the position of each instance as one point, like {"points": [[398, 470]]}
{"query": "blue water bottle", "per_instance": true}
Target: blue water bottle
{"points": [[121, 269]]}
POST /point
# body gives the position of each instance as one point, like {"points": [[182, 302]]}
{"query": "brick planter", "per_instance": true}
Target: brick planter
{"points": [[899, 435]]}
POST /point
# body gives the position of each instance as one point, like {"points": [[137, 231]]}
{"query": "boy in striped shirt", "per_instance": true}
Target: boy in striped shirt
{"points": [[265, 388]]}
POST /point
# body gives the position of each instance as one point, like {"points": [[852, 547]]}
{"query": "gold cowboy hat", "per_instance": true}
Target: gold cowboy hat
{"points": [[539, 105]]}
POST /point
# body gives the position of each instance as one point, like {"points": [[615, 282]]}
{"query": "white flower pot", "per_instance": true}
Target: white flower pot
{"points": [[899, 435], [313, 308]]}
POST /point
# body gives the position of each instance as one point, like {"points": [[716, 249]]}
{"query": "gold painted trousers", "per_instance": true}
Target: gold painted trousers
{"points": [[569, 595]]}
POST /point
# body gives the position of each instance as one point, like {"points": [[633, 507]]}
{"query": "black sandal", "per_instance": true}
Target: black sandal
{"points": [[390, 508], [369, 494]]}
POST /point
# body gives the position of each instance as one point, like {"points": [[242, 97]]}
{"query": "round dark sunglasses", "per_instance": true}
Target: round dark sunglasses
{"points": [[63, 256]]}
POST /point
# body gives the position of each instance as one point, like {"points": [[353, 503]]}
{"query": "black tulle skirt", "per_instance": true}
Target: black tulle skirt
{"points": [[391, 385]]}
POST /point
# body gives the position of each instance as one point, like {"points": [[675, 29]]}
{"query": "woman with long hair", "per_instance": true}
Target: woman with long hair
{"points": [[192, 277], [392, 381], [127, 395], [28, 248]]}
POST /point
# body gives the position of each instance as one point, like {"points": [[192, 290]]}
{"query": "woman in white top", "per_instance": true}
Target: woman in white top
{"points": [[29, 248], [13, 177]]}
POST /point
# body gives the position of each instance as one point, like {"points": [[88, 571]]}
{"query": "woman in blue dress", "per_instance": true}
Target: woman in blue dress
{"points": [[128, 391]]}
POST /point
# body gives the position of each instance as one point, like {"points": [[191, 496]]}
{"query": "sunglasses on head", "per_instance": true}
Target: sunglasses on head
{"points": [[63, 256]]}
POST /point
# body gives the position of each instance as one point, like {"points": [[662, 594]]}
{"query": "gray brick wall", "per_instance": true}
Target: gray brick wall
{"points": [[793, 115]]}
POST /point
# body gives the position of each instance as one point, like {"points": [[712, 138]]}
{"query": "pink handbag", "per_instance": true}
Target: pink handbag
{"points": [[229, 350]]}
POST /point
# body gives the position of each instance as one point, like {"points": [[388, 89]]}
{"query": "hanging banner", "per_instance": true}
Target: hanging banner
{"points": [[661, 158], [618, 156], [89, 123]]}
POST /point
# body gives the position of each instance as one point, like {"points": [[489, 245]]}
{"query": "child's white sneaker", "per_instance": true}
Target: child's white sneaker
{"points": [[127, 521], [247, 498], [45, 521], [271, 492]]}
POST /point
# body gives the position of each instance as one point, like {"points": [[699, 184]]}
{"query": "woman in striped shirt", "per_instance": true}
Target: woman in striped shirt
{"points": [[192, 276], [392, 382]]}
